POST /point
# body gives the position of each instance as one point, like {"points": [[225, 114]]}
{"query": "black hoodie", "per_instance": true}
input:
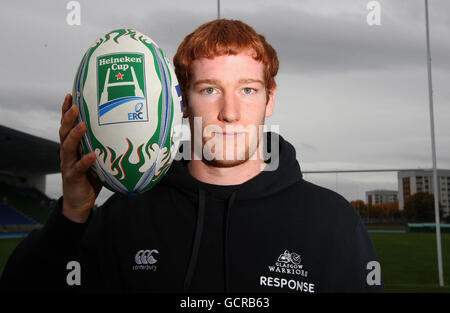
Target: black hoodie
{"points": [[273, 233]]}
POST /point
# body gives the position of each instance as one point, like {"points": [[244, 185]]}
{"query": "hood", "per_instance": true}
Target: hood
{"points": [[284, 171]]}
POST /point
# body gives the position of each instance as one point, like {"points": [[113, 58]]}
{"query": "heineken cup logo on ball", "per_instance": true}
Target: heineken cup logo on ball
{"points": [[121, 88], [128, 96]]}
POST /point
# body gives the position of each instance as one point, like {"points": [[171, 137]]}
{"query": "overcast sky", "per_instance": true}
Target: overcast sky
{"points": [[350, 95]]}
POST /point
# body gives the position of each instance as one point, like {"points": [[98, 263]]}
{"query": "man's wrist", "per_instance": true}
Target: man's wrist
{"points": [[61, 230], [78, 215]]}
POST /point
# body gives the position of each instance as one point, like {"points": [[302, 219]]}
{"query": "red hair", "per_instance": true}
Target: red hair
{"points": [[224, 37]]}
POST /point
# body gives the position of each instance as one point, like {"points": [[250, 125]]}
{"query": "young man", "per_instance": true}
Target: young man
{"points": [[212, 224]]}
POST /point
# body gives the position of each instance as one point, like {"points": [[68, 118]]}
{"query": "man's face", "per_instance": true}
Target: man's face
{"points": [[228, 94]]}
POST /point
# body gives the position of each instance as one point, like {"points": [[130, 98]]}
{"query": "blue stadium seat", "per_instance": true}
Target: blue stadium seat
{"points": [[9, 216]]}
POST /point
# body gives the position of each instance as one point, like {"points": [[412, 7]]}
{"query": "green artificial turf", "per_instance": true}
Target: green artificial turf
{"points": [[409, 261]]}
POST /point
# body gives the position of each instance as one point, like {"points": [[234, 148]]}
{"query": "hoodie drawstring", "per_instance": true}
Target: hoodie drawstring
{"points": [[227, 271], [197, 238]]}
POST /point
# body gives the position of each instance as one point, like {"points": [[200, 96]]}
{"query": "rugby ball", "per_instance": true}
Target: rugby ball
{"points": [[129, 97]]}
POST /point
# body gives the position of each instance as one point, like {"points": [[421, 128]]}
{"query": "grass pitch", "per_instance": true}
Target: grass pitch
{"points": [[409, 261], [7, 245]]}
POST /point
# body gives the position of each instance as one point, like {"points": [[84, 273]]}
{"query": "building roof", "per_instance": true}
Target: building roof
{"points": [[23, 153], [423, 172], [382, 191]]}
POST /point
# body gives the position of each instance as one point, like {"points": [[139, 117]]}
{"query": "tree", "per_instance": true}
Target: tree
{"points": [[390, 210], [360, 207], [420, 207]]}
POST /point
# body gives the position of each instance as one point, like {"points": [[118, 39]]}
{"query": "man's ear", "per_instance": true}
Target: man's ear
{"points": [[271, 101]]}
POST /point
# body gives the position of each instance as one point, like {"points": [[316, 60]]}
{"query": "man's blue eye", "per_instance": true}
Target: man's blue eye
{"points": [[248, 91], [209, 90]]}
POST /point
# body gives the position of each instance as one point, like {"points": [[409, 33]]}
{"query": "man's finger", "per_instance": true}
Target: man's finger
{"points": [[66, 105], [68, 122], [95, 183], [82, 166], [69, 147]]}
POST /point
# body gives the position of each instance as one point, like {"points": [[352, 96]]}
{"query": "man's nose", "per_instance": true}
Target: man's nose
{"points": [[231, 109]]}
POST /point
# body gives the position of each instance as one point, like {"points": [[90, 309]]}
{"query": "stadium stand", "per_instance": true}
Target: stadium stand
{"points": [[28, 201], [27, 154], [10, 216], [23, 171]]}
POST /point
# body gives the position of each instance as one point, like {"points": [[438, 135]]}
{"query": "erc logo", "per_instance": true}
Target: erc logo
{"points": [[121, 90], [137, 115]]}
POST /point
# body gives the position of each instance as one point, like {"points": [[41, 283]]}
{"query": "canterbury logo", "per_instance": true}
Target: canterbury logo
{"points": [[145, 257]]}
